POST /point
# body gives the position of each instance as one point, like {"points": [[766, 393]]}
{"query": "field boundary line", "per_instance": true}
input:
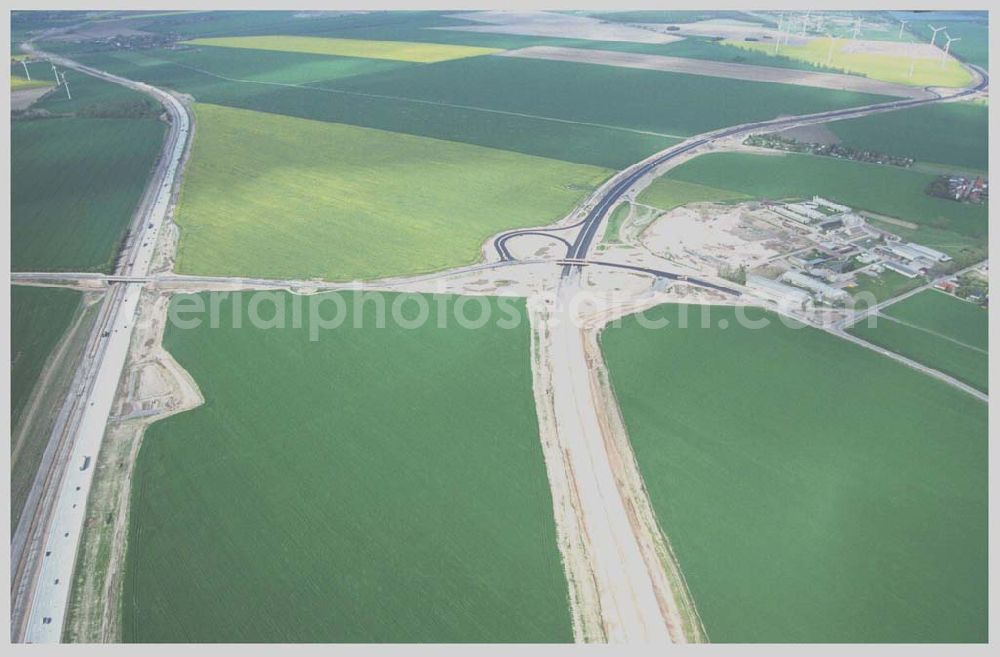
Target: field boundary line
{"points": [[421, 101], [908, 362], [934, 333]]}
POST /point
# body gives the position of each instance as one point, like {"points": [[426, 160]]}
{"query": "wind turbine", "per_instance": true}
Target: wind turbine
{"points": [[829, 54], [857, 29], [55, 74], [66, 84], [902, 24], [947, 46], [777, 42], [935, 30], [27, 73]]}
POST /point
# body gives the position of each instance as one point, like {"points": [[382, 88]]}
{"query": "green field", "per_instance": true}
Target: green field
{"points": [[945, 314], [944, 133], [890, 68], [937, 330], [666, 103], [667, 194], [272, 196], [39, 316], [813, 491], [529, 106], [259, 66], [974, 46], [405, 51], [373, 485], [76, 179], [39, 320], [90, 96], [966, 365], [244, 73], [74, 185], [887, 190]]}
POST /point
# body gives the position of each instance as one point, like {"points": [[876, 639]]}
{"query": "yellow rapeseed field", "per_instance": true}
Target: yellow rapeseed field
{"points": [[405, 51]]}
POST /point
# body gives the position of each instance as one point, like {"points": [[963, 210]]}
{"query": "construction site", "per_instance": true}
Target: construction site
{"points": [[798, 252]]}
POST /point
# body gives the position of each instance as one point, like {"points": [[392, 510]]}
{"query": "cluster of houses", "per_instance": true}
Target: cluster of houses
{"points": [[135, 41], [778, 142], [971, 285], [960, 188]]}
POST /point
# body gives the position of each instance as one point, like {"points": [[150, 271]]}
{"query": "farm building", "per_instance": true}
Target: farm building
{"points": [[928, 252], [836, 207], [777, 292], [791, 214], [806, 211], [902, 269], [917, 258], [818, 287]]}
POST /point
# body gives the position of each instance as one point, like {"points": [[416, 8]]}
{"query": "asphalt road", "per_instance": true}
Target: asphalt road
{"points": [[500, 243], [45, 542], [692, 280]]}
